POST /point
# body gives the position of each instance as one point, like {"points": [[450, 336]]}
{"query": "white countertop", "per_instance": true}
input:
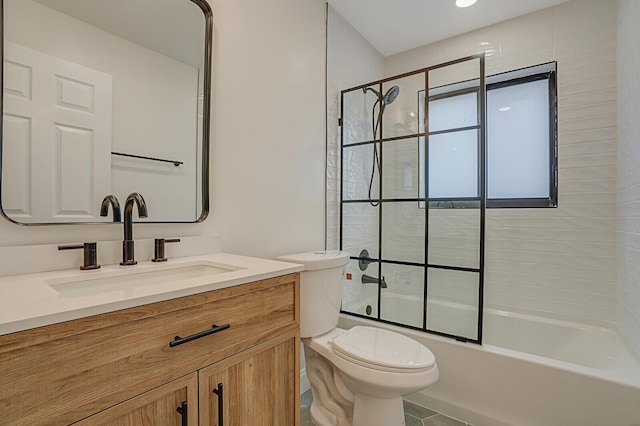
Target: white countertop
{"points": [[32, 300]]}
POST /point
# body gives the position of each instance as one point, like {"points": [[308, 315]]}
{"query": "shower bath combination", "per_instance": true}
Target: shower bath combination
{"points": [[385, 100], [430, 252]]}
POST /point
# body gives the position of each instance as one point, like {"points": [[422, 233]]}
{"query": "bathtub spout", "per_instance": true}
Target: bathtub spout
{"points": [[368, 279]]}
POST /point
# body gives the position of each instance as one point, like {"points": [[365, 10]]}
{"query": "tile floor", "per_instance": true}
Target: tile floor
{"points": [[414, 415]]}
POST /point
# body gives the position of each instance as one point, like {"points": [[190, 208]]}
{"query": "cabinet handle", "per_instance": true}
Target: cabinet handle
{"points": [[182, 409], [180, 340], [218, 392]]}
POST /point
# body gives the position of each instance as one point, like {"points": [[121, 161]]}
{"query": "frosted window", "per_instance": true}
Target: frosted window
{"points": [[519, 145], [441, 117], [453, 165], [518, 141]]}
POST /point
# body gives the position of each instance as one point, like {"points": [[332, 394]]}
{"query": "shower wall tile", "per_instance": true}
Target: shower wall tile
{"points": [[400, 169], [403, 229], [356, 296], [454, 237], [351, 61], [357, 168], [629, 172], [402, 300], [563, 261], [360, 228]]}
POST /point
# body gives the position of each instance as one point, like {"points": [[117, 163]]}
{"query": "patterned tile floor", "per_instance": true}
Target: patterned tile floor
{"points": [[414, 415]]}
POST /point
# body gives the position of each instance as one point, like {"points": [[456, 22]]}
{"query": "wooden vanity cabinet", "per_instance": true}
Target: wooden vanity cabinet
{"points": [[175, 403], [255, 387], [119, 369]]}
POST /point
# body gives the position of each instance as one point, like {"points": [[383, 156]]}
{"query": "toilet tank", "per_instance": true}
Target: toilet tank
{"points": [[320, 289]]}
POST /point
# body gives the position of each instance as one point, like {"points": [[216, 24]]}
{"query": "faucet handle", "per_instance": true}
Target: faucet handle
{"points": [[90, 254], [158, 248]]}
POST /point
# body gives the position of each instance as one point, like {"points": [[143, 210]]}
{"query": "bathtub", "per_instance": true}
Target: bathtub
{"points": [[530, 371]]}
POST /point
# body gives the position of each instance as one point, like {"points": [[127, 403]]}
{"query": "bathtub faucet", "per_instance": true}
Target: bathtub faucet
{"points": [[368, 279]]}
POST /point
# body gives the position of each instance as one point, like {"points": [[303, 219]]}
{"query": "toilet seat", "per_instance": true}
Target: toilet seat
{"points": [[369, 378], [382, 350]]}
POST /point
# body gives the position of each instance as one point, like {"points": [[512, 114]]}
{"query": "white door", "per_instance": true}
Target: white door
{"points": [[56, 138]]}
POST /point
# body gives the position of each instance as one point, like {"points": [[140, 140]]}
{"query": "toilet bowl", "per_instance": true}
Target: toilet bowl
{"points": [[357, 376], [376, 367]]}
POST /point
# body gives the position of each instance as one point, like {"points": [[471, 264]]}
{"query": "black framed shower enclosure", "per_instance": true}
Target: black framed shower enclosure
{"points": [[413, 199]]}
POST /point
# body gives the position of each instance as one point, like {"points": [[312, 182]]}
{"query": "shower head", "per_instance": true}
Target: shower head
{"points": [[391, 95], [388, 97]]}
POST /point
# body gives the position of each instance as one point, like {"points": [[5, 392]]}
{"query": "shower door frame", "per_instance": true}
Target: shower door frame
{"points": [[481, 198]]}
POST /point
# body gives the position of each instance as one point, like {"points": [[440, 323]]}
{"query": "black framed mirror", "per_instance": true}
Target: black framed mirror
{"points": [[106, 97]]}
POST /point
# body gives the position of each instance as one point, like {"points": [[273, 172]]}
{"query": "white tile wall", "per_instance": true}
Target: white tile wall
{"points": [[351, 61], [629, 171], [554, 261]]}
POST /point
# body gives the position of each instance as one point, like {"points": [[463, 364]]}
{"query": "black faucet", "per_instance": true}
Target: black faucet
{"points": [[90, 254], [368, 279], [128, 257], [111, 200]]}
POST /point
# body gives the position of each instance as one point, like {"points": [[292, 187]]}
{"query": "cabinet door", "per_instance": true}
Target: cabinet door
{"points": [[93, 363], [260, 386], [172, 404]]}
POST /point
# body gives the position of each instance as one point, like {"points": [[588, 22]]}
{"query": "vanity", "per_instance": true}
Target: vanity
{"points": [[210, 349], [96, 106]]}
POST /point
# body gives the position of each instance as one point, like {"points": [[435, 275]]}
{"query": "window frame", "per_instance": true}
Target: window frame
{"points": [[502, 80]]}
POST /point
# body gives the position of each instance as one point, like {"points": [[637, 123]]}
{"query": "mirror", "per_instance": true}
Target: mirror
{"points": [[105, 97]]}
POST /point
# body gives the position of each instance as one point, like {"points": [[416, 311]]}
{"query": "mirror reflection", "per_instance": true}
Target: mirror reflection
{"points": [[107, 97]]}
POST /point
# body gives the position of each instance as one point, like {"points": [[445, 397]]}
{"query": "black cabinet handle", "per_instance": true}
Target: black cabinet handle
{"points": [[180, 340], [218, 392], [182, 409]]}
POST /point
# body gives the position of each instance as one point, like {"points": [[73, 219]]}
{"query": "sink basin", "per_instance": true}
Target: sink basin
{"points": [[89, 283]]}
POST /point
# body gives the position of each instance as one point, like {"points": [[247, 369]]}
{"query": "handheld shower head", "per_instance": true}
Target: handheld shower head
{"points": [[391, 95], [382, 103], [388, 97]]}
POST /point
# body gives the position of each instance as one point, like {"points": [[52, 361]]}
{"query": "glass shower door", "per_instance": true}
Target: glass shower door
{"points": [[412, 199], [454, 172]]}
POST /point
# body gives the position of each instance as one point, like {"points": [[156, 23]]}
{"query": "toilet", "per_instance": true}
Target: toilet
{"points": [[357, 376]]}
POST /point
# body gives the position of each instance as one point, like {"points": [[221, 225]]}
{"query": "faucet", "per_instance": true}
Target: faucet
{"points": [[111, 200], [368, 279], [127, 244]]}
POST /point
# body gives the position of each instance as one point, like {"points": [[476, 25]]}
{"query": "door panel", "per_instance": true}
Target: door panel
{"points": [[57, 141]]}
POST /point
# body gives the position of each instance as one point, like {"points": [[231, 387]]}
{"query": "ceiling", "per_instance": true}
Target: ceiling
{"points": [[174, 28], [393, 26]]}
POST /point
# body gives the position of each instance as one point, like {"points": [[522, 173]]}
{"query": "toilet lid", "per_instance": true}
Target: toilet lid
{"points": [[384, 348]]}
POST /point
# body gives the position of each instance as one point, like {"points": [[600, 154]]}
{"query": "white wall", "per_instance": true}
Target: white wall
{"points": [[268, 133], [629, 171], [558, 262], [268, 125]]}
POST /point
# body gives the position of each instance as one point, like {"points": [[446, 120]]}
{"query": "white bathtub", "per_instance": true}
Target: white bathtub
{"points": [[530, 371]]}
